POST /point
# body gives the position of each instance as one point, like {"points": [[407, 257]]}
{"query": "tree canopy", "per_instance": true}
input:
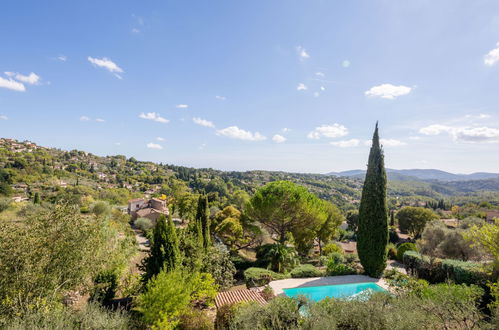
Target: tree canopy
{"points": [[286, 208]]}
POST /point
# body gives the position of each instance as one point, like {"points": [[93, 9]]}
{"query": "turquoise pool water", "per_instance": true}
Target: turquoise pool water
{"points": [[351, 290]]}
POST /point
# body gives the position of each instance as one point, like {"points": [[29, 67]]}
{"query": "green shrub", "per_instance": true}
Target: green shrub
{"points": [[460, 272], [169, 295], [464, 272], [393, 236], [195, 319], [334, 269], [143, 224], [392, 251], [305, 271], [403, 248], [337, 258], [225, 316], [280, 313], [217, 263], [5, 203], [105, 284], [332, 248], [91, 317], [260, 276]]}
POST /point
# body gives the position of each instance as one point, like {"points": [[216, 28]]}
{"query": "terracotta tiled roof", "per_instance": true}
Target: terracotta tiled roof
{"points": [[135, 200], [237, 296]]}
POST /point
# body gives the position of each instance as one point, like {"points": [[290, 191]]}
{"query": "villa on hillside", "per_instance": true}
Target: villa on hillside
{"points": [[151, 209]]}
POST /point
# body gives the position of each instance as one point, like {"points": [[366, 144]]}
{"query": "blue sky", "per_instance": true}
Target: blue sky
{"points": [[238, 85]]}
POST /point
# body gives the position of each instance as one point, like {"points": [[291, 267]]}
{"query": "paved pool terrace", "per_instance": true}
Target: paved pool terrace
{"points": [[289, 283]]}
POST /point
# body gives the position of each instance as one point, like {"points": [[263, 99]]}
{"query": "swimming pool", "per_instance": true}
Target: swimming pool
{"points": [[350, 290]]}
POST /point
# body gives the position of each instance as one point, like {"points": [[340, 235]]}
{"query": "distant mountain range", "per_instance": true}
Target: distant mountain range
{"points": [[421, 174]]}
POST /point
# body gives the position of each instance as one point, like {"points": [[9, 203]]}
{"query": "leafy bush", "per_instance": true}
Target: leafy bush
{"points": [[225, 316], [56, 250], [195, 319], [105, 284], [336, 258], [169, 295], [433, 307], [393, 236], [217, 263], [260, 276], [143, 224], [403, 248], [101, 208], [334, 269], [279, 313], [91, 317], [332, 248], [438, 270], [4, 204], [278, 257], [305, 271], [267, 293], [392, 251]]}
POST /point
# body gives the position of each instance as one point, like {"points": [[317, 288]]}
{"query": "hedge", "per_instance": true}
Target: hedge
{"points": [[403, 248], [306, 271], [460, 272], [260, 276]]}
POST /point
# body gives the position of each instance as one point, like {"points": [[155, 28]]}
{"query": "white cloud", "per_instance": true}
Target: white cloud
{"points": [[221, 98], [435, 129], [62, 58], [106, 64], [135, 31], [414, 138], [316, 94], [301, 87], [492, 57], [203, 122], [330, 131], [235, 132], [278, 138], [153, 116], [320, 74], [84, 118], [12, 85], [99, 120], [392, 143], [345, 63], [388, 91], [154, 146], [182, 106], [477, 134], [31, 79], [3, 117], [160, 138], [285, 130], [302, 53], [346, 143], [117, 143], [479, 116], [464, 134], [323, 88]]}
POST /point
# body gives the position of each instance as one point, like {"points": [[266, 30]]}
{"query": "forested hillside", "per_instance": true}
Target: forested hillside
{"points": [[27, 169]]}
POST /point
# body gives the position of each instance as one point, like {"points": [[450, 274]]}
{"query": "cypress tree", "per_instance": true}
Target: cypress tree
{"points": [[36, 199], [202, 216], [372, 235], [164, 252]]}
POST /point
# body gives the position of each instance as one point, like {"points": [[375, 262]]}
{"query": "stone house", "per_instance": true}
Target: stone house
{"points": [[151, 209]]}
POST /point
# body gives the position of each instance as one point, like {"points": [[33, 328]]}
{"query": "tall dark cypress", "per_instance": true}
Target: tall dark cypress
{"points": [[202, 216], [164, 252], [372, 235]]}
